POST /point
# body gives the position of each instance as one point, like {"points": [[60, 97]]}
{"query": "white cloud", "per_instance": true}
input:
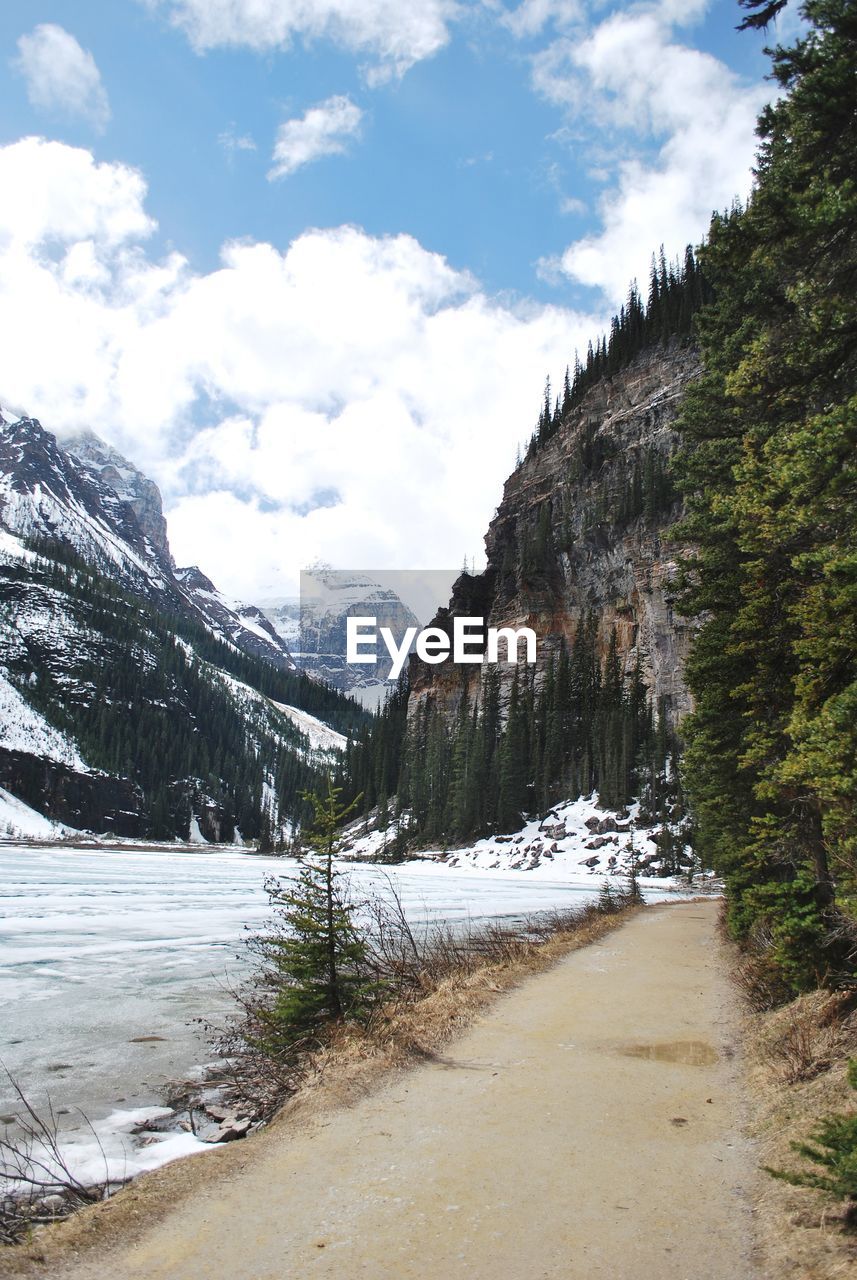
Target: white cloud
{"points": [[532, 16], [323, 130], [396, 34], [233, 142], [61, 76], [571, 204], [352, 398], [675, 126]]}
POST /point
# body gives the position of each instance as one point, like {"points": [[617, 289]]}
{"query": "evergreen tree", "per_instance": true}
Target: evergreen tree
{"points": [[316, 958], [771, 486], [515, 766]]}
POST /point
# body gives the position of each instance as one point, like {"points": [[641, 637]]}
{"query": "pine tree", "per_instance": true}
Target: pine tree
{"points": [[770, 481], [514, 763], [316, 958]]}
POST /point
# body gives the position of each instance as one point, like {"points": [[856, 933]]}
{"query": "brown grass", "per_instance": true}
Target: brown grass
{"points": [[809, 1036], [797, 1058]]}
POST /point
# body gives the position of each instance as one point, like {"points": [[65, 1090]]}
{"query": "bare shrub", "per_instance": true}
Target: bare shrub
{"points": [[760, 982], [39, 1186]]}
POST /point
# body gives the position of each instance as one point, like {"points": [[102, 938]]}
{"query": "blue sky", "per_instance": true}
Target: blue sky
{"points": [[309, 264]]}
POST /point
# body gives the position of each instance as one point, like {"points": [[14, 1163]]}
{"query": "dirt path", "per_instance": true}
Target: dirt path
{"points": [[587, 1126]]}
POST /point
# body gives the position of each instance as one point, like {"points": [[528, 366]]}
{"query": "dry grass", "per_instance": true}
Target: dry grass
{"points": [[809, 1036], [423, 982], [797, 1058]]}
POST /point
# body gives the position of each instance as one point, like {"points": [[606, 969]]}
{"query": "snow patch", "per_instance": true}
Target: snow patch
{"points": [[196, 836], [321, 736], [119, 1147], [18, 820], [22, 728], [575, 842]]}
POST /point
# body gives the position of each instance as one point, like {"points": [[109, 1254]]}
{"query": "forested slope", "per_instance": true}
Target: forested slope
{"points": [[770, 477]]}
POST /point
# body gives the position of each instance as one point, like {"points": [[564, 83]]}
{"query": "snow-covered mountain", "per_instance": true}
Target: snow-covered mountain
{"points": [[84, 494], [46, 494], [134, 698], [127, 482], [244, 625], [314, 628]]}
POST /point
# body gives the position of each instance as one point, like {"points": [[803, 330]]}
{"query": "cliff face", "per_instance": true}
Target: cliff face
{"points": [[129, 484], [585, 525]]}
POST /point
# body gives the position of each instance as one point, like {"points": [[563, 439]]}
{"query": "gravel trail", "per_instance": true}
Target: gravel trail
{"points": [[588, 1125]]}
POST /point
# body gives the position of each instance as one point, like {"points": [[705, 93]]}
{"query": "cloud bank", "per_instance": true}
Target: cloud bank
{"points": [[396, 35], [348, 397], [669, 130]]}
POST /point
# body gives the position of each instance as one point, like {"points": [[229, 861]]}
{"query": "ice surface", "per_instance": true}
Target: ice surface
{"points": [[108, 955]]}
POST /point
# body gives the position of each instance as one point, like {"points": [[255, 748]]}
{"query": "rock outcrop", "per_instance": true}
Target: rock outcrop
{"points": [[142, 494], [586, 526]]}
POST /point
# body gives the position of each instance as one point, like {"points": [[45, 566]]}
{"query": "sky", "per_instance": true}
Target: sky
{"points": [[307, 263]]}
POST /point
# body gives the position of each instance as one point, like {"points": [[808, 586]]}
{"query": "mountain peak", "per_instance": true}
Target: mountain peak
{"points": [[127, 482]]}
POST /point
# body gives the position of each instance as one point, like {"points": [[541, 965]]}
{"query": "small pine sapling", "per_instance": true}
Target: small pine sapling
{"points": [[833, 1149]]}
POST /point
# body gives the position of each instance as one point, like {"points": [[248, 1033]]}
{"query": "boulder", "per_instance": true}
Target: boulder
{"points": [[229, 1130], [554, 830]]}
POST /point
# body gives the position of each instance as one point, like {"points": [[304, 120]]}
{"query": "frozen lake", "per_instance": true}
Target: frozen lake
{"points": [[100, 949]]}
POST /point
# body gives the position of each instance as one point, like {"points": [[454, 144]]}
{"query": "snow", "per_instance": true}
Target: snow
{"points": [[19, 820], [114, 1149], [321, 736], [196, 836], [287, 627], [42, 512], [372, 844], [247, 624], [539, 848], [329, 593], [11, 548], [22, 728]]}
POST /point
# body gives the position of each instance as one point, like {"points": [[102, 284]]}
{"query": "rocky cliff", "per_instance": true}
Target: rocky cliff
{"points": [[127, 482], [585, 526]]}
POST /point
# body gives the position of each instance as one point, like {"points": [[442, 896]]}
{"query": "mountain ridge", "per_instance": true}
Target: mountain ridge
{"points": [[173, 707]]}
